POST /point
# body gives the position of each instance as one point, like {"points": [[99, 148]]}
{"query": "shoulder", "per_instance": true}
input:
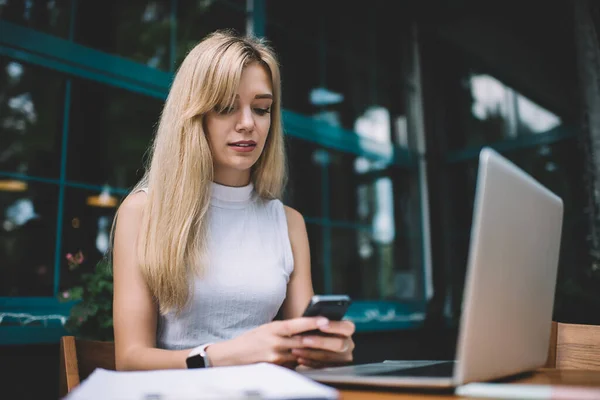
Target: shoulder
{"points": [[295, 220], [135, 202], [128, 221], [133, 205]]}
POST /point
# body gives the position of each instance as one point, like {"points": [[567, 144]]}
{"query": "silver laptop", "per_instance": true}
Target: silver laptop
{"points": [[509, 288]]}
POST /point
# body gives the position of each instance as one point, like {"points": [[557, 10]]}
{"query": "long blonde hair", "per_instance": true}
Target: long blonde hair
{"points": [[172, 240]]}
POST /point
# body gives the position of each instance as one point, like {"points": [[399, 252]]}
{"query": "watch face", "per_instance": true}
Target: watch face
{"points": [[196, 361]]}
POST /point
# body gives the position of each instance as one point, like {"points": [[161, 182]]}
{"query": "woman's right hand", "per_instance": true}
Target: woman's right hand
{"points": [[272, 343]]}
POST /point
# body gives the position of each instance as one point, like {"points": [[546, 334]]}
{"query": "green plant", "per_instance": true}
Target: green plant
{"points": [[91, 315]]}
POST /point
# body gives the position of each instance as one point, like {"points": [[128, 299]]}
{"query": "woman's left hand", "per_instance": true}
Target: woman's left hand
{"points": [[332, 349]]}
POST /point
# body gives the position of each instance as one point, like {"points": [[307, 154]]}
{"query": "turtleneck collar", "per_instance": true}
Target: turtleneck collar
{"points": [[231, 197]]}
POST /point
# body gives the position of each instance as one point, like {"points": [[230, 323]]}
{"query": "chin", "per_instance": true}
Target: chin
{"points": [[241, 165]]}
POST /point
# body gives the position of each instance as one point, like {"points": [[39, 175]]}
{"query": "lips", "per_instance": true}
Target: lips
{"points": [[244, 143], [243, 146]]}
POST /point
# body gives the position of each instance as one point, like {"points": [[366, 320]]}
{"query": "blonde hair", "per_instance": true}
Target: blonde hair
{"points": [[172, 240]]}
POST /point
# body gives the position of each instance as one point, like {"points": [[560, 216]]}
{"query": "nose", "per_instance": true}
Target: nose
{"points": [[245, 122]]}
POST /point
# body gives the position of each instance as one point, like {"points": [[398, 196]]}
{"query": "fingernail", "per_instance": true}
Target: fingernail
{"points": [[308, 340], [322, 322]]}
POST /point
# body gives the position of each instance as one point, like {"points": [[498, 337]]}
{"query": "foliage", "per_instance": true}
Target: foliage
{"points": [[91, 315]]}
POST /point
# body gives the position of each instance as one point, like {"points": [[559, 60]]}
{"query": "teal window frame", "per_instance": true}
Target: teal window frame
{"points": [[556, 134]]}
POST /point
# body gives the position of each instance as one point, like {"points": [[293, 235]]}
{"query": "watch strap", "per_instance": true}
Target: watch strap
{"points": [[197, 358]]}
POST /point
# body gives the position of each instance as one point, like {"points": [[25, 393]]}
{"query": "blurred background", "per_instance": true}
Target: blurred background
{"points": [[386, 106]]}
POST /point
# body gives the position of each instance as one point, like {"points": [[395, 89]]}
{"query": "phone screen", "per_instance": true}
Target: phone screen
{"points": [[332, 307]]}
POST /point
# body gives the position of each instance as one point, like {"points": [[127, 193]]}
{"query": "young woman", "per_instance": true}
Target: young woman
{"points": [[204, 253]]}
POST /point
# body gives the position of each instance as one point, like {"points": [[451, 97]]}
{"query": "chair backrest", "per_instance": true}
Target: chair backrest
{"points": [[574, 346], [79, 358]]}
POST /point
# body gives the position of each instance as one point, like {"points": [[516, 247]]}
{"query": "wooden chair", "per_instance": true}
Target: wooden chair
{"points": [[574, 346], [79, 358]]}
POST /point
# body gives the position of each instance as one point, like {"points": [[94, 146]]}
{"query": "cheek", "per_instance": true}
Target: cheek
{"points": [[214, 132], [265, 126]]}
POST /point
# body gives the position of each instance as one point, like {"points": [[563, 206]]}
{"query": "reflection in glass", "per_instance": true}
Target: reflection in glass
{"points": [[300, 80], [198, 18], [30, 119], [86, 229], [492, 99], [27, 237], [315, 240], [49, 16], [304, 186], [109, 132], [342, 183], [369, 269], [379, 255], [374, 124], [336, 73], [138, 30]]}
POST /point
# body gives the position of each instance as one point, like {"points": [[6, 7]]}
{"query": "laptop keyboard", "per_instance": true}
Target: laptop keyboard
{"points": [[439, 370]]}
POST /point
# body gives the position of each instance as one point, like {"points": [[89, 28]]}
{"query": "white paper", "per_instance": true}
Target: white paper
{"points": [[257, 381]]}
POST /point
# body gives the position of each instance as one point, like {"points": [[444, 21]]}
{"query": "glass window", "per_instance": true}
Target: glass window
{"points": [[460, 188], [139, 30], [87, 222], [484, 110], [293, 29], [298, 18], [342, 186], [304, 186], [27, 238], [559, 167], [299, 70], [109, 133], [49, 16], [370, 245], [501, 112], [370, 98], [388, 210], [370, 267], [198, 18], [315, 240], [354, 265], [335, 72], [31, 109], [378, 255]]}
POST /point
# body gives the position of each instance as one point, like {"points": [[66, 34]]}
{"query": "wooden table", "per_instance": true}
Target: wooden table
{"points": [[544, 376]]}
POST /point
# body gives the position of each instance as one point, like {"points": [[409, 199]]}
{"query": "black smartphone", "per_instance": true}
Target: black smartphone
{"points": [[331, 306]]}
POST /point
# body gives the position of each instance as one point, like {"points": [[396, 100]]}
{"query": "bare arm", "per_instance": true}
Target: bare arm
{"points": [[317, 351], [134, 310], [300, 289]]}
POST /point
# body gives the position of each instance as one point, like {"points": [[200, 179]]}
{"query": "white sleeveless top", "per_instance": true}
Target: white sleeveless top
{"points": [[245, 281]]}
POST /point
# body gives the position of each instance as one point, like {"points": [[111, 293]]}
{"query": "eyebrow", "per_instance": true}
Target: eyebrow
{"points": [[259, 96]]}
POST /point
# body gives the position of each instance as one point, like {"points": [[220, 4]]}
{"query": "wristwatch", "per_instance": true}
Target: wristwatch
{"points": [[198, 357]]}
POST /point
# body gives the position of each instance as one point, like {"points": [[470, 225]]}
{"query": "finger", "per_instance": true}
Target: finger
{"points": [[342, 328], [288, 343], [323, 356], [282, 357], [309, 363], [330, 343], [290, 364], [295, 326]]}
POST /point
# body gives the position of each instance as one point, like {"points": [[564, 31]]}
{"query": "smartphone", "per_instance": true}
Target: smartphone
{"points": [[333, 307]]}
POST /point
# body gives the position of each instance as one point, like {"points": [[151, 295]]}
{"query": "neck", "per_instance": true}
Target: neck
{"points": [[232, 178]]}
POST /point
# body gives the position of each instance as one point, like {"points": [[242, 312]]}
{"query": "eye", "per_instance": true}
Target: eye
{"points": [[262, 111], [224, 110]]}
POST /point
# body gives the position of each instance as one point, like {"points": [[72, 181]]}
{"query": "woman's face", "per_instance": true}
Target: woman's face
{"points": [[237, 135]]}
